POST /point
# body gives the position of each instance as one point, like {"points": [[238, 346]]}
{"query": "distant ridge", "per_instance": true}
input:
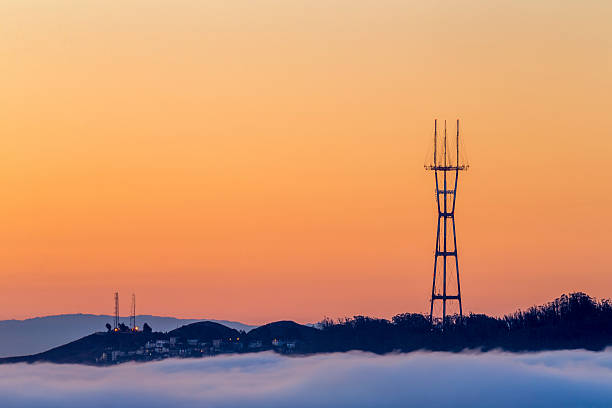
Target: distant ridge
{"points": [[38, 334]]}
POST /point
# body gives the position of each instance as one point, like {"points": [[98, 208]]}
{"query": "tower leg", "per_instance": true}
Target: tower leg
{"points": [[433, 286], [457, 270]]}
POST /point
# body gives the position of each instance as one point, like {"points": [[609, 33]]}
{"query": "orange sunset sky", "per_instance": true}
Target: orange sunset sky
{"points": [[263, 160]]}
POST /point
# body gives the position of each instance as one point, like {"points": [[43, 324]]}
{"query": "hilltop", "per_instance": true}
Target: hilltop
{"points": [[569, 322], [21, 337]]}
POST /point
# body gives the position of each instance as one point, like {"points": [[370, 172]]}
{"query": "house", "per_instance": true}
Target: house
{"points": [[255, 344], [115, 354]]}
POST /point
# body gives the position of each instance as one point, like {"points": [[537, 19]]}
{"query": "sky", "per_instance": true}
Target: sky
{"points": [[263, 160], [561, 378]]}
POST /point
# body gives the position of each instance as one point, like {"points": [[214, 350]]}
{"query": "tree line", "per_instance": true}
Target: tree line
{"points": [[570, 321]]}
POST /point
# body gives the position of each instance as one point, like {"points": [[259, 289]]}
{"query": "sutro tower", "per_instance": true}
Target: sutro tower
{"points": [[446, 163], [116, 311], [133, 314]]}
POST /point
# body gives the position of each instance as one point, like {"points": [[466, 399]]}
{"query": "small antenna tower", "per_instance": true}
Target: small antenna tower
{"points": [[133, 313], [446, 164], [116, 311]]}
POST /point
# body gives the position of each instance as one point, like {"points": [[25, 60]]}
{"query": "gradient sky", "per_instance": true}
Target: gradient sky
{"points": [[262, 160]]}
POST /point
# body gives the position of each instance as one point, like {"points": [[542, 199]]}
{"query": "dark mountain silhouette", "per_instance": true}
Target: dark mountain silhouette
{"points": [[89, 348], [285, 336], [205, 331], [283, 330], [29, 336], [569, 322]]}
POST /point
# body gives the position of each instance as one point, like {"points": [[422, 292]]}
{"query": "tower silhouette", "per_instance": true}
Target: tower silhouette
{"points": [[116, 311], [446, 163], [133, 313]]}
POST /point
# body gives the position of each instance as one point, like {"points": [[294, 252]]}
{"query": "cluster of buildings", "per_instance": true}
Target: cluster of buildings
{"points": [[176, 347], [171, 347], [278, 345]]}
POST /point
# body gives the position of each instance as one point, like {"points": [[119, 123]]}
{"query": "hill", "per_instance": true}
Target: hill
{"points": [[285, 335], [205, 331], [35, 335], [194, 339], [88, 349]]}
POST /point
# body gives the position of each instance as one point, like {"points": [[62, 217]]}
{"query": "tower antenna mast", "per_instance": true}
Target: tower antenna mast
{"points": [[133, 313], [446, 174], [116, 311]]}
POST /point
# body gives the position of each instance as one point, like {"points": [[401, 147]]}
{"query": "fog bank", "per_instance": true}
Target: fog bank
{"points": [[560, 378]]}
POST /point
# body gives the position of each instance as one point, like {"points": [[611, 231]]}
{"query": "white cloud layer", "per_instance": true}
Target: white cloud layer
{"points": [[560, 379]]}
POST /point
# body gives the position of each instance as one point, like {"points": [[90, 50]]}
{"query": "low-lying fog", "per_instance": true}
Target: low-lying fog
{"points": [[559, 378]]}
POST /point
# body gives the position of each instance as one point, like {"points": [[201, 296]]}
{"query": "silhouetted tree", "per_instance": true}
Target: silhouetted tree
{"points": [[146, 328], [411, 321], [108, 327]]}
